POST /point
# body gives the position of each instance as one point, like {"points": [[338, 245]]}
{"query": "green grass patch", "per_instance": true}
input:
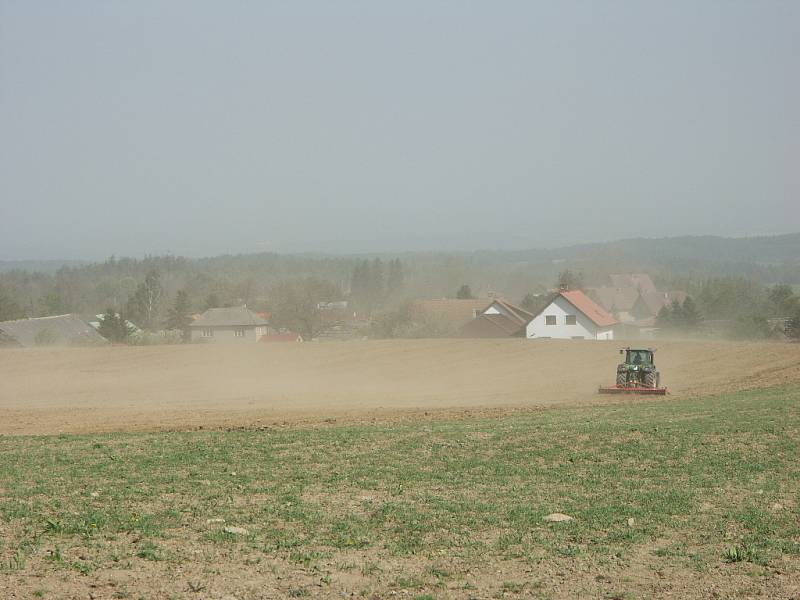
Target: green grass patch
{"points": [[700, 482]]}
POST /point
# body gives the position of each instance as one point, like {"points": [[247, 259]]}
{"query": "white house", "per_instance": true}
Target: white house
{"points": [[572, 315]]}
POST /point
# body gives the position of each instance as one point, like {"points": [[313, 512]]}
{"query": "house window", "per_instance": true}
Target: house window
{"points": [[208, 333], [571, 320], [550, 320], [238, 332]]}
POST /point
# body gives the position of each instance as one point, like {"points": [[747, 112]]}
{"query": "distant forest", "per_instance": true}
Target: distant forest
{"points": [[726, 275]]}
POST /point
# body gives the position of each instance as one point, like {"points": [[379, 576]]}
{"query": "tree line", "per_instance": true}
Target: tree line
{"points": [[146, 291]]}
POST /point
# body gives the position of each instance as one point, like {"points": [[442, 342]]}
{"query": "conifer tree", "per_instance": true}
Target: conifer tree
{"points": [[179, 316], [113, 327]]}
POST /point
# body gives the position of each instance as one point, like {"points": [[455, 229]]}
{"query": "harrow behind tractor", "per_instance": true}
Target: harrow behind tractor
{"points": [[637, 375]]}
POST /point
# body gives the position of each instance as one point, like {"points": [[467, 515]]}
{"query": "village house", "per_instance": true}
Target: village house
{"points": [[633, 298], [451, 313], [59, 330], [234, 324], [500, 319], [572, 315]]}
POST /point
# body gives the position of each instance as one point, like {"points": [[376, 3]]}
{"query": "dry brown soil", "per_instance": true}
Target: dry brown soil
{"points": [[79, 390]]}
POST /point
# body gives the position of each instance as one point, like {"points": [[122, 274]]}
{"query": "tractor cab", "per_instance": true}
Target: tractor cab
{"points": [[637, 356]]}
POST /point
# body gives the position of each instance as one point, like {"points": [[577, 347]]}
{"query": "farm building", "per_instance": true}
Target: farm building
{"points": [[500, 319], [449, 312], [619, 301], [60, 330], [572, 315], [234, 324], [633, 298]]}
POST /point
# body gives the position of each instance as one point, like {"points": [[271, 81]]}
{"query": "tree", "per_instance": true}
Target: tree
{"points": [[143, 305], [781, 301], [395, 277], [113, 327], [465, 293], [677, 315], [750, 327], [212, 301], [9, 308], [295, 305], [793, 326], [567, 280], [691, 316], [377, 282], [535, 303], [664, 318], [54, 304], [730, 297], [393, 323], [359, 286], [179, 316], [368, 286]]}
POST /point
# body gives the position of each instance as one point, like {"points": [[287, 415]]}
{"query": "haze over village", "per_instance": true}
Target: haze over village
{"points": [[409, 300]]}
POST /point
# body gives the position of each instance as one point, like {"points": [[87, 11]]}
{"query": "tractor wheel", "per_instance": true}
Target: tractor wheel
{"points": [[622, 378], [651, 379]]}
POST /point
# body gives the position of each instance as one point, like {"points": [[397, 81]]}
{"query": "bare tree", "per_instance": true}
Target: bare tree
{"points": [[295, 305]]}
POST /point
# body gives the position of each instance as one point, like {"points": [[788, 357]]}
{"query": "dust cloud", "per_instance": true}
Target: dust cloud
{"points": [[80, 390]]}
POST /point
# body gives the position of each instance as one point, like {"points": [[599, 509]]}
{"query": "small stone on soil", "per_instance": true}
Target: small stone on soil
{"points": [[557, 518], [236, 530]]}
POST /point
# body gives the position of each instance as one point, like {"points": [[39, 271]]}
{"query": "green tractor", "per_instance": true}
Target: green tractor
{"points": [[637, 375]]}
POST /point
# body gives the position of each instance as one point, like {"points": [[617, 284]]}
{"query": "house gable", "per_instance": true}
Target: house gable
{"points": [[572, 315]]}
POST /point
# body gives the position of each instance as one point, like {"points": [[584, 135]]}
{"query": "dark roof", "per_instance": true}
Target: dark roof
{"points": [[615, 298], [449, 310], [512, 311], [589, 307], [639, 281], [60, 330], [235, 316], [493, 326], [655, 301]]}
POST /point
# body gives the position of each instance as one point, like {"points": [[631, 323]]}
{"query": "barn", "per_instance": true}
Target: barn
{"points": [[57, 330], [572, 315]]}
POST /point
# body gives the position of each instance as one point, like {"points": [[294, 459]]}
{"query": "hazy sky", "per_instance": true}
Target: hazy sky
{"points": [[205, 127]]}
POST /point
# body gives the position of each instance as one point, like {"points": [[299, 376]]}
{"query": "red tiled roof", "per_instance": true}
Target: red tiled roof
{"points": [[588, 307]]}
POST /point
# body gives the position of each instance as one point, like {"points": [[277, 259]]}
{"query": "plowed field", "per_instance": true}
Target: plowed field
{"points": [[230, 386]]}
